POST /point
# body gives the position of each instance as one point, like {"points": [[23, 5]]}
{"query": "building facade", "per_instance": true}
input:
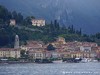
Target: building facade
{"points": [[12, 22], [37, 22], [9, 52], [37, 54]]}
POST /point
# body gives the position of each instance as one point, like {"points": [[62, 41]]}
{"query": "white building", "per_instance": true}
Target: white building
{"points": [[9, 52], [85, 48]]}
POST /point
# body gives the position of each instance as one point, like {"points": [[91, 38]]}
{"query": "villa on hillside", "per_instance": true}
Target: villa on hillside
{"points": [[12, 22], [38, 22]]}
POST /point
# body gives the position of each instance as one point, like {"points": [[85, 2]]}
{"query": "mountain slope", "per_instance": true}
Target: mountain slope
{"points": [[83, 14]]}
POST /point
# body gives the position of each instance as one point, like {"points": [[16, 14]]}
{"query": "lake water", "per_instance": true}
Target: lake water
{"points": [[50, 69]]}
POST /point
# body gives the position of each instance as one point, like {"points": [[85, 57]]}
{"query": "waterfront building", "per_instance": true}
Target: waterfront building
{"points": [[65, 54], [37, 54], [48, 54], [38, 22], [55, 54], [9, 52]]}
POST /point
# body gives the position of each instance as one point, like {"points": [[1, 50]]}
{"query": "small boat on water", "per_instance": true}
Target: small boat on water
{"points": [[57, 61], [95, 61], [85, 60]]}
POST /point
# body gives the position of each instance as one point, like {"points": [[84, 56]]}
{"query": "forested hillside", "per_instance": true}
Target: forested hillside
{"points": [[46, 33]]}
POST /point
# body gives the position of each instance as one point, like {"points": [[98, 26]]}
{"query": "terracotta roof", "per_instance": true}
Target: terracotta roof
{"points": [[8, 49]]}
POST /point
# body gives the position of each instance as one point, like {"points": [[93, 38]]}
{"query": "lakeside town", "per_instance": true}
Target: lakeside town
{"points": [[63, 50], [49, 37], [59, 50]]}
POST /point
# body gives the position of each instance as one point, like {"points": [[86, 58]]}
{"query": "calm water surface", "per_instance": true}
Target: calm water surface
{"points": [[50, 69]]}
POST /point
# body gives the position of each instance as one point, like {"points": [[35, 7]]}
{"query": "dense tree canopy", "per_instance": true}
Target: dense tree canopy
{"points": [[50, 47]]}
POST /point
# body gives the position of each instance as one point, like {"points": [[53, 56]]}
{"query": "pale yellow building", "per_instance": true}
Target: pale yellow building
{"points": [[37, 22], [9, 52], [12, 22]]}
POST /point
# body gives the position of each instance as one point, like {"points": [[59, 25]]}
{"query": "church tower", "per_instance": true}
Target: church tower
{"points": [[16, 45]]}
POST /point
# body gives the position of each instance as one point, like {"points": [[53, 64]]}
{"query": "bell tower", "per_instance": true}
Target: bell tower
{"points": [[16, 45]]}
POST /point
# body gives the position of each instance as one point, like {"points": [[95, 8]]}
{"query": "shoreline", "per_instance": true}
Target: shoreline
{"points": [[13, 62]]}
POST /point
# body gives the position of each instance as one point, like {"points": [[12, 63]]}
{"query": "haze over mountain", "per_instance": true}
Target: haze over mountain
{"points": [[83, 14]]}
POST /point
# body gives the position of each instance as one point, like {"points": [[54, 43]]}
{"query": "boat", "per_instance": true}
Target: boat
{"points": [[94, 60], [85, 60]]}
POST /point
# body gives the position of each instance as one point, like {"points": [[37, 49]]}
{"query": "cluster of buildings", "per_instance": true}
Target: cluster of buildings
{"points": [[35, 22], [37, 50], [63, 49]]}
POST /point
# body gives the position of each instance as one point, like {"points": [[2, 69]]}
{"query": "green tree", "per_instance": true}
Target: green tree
{"points": [[14, 15], [24, 54], [19, 18], [50, 47]]}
